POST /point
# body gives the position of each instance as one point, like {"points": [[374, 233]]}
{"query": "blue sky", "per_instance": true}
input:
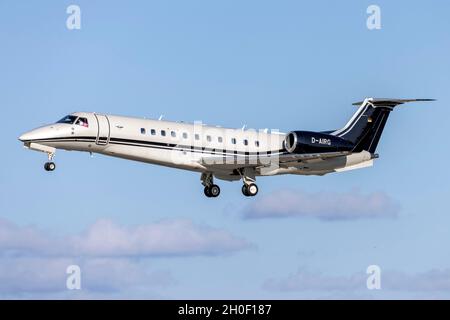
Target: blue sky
{"points": [[143, 231]]}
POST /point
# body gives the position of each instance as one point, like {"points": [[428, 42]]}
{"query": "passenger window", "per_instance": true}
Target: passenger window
{"points": [[257, 143], [245, 142], [153, 132], [173, 134], [163, 133], [185, 135], [208, 138], [197, 136], [82, 122], [233, 140], [219, 139], [142, 130]]}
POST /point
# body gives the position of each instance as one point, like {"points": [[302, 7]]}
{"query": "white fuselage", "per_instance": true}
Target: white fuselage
{"points": [[174, 144]]}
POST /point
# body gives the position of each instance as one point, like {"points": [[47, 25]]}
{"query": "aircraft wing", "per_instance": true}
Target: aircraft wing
{"points": [[284, 160]]}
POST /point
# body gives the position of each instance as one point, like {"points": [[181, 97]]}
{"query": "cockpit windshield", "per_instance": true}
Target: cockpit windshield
{"points": [[75, 120], [68, 119]]}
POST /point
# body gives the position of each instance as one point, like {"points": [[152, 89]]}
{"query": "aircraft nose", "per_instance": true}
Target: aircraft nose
{"points": [[39, 133], [26, 136]]}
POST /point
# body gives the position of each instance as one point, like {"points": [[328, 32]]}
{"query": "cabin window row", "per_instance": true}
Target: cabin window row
{"points": [[196, 136]]}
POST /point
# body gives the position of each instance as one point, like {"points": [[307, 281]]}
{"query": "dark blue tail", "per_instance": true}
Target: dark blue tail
{"points": [[365, 127]]}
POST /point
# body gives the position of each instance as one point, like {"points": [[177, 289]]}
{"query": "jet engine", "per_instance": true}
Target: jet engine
{"points": [[315, 142]]}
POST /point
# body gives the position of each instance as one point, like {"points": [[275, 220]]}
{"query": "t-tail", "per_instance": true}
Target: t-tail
{"points": [[364, 129]]}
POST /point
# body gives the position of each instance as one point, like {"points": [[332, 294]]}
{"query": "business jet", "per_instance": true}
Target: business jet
{"points": [[222, 153]]}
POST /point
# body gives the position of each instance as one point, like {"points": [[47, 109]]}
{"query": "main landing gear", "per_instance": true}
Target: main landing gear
{"points": [[249, 190], [50, 165], [211, 190]]}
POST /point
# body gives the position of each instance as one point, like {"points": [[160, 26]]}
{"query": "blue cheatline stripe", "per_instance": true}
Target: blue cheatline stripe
{"points": [[164, 146]]}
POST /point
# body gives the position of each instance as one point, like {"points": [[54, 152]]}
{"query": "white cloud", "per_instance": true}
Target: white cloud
{"points": [[167, 238], [435, 280], [306, 280], [112, 257], [113, 275], [322, 205], [395, 284], [36, 277], [108, 239], [22, 275], [24, 240]]}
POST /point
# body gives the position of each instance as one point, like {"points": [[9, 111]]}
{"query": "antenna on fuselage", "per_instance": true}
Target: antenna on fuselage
{"points": [[243, 127], [160, 117]]}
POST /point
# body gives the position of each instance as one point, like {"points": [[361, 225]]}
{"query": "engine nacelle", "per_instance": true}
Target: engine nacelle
{"points": [[315, 142]]}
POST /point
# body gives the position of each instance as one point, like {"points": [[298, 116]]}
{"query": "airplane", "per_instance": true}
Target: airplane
{"points": [[223, 153]]}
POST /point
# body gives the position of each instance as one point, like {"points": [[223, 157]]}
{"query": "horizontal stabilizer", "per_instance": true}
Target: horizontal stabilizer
{"points": [[378, 102]]}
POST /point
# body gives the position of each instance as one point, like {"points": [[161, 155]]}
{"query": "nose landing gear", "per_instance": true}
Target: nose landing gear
{"points": [[50, 165]]}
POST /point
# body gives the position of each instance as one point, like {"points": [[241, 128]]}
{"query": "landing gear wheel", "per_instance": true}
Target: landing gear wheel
{"points": [[244, 190], [250, 190], [207, 193], [214, 190], [49, 166]]}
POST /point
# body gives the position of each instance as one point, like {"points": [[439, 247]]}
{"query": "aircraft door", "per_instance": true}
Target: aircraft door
{"points": [[103, 130]]}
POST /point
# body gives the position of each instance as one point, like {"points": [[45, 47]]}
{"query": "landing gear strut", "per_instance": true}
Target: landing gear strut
{"points": [[211, 190], [50, 165]]}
